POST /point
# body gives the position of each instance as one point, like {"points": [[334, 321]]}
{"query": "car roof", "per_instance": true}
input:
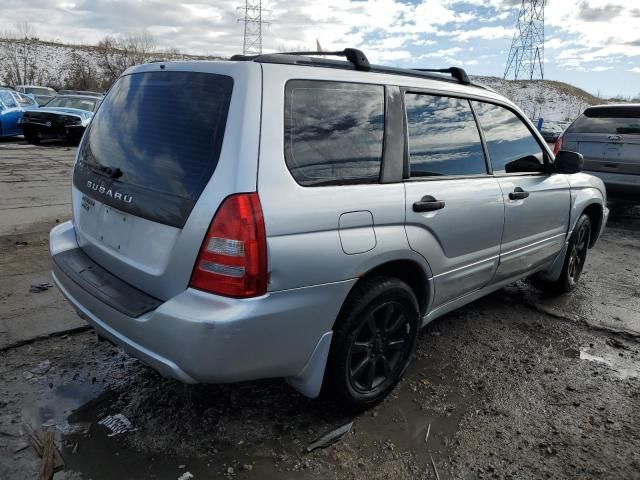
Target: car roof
{"points": [[356, 60], [433, 81]]}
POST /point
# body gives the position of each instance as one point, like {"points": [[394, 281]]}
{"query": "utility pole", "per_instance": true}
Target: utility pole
{"points": [[253, 11], [526, 57]]}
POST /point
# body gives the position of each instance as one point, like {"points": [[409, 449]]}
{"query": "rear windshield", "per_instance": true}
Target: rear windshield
{"points": [[156, 137], [608, 120]]}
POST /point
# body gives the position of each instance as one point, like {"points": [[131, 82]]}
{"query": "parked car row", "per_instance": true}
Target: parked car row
{"points": [[64, 117]]}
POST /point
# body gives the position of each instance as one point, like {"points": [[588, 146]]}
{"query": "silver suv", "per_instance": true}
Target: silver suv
{"points": [[609, 138], [299, 217]]}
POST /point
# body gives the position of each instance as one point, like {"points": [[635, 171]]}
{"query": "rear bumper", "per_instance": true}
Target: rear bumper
{"points": [[197, 337], [620, 185]]}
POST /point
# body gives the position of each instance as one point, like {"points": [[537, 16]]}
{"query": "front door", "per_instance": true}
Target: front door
{"points": [[454, 208], [537, 203]]}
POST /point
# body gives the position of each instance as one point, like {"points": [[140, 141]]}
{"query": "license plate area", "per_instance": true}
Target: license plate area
{"points": [[115, 228]]}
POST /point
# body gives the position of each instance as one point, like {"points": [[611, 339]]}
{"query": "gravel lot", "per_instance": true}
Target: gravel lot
{"points": [[515, 385]]}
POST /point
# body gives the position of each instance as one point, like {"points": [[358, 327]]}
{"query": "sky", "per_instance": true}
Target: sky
{"points": [[593, 44]]}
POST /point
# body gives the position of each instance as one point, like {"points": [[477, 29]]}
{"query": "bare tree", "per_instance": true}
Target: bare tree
{"points": [[19, 52], [80, 74], [116, 55]]}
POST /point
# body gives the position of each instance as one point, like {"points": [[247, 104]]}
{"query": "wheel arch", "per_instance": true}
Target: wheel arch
{"points": [[595, 213], [589, 201], [410, 272]]}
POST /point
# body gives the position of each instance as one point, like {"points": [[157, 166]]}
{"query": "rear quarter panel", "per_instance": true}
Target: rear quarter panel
{"points": [[303, 223]]}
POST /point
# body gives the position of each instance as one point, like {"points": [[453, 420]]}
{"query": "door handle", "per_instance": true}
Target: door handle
{"points": [[518, 194], [428, 204]]}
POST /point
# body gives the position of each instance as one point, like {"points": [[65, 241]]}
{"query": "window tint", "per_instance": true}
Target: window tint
{"points": [[443, 137], [7, 99], [512, 147], [164, 132], [333, 132], [609, 120]]}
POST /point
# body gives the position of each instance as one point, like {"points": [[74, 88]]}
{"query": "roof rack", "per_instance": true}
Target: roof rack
{"points": [[356, 57], [456, 72], [359, 60]]}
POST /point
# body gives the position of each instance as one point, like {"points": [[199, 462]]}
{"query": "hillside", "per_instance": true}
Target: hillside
{"points": [[59, 65], [548, 99], [72, 66]]}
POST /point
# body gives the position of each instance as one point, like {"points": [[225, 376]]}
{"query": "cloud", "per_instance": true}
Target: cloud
{"points": [[484, 33], [602, 13], [442, 53]]}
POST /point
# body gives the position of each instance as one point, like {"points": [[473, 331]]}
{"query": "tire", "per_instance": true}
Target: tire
{"points": [[373, 342], [31, 137], [573, 263]]}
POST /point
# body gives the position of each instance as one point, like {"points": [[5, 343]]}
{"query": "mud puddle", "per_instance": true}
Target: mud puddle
{"points": [[624, 365]]}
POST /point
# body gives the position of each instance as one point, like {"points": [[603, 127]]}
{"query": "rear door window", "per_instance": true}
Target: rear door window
{"points": [[156, 137], [443, 137], [511, 145], [333, 132]]}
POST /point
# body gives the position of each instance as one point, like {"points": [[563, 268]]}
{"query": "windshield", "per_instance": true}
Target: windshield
{"points": [[39, 90], [24, 100], [81, 103]]}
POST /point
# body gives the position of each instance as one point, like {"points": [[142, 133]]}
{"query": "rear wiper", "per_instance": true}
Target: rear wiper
{"points": [[111, 172]]}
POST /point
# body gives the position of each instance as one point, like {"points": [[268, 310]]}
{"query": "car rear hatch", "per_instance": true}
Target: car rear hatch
{"points": [[609, 139], [167, 145]]}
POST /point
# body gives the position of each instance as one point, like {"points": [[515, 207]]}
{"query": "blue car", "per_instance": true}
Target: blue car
{"points": [[12, 107]]}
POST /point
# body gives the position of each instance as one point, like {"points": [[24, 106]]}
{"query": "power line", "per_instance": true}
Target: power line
{"points": [[252, 44], [526, 57]]}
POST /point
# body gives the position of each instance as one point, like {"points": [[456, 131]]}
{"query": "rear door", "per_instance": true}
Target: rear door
{"points": [[454, 208], [537, 203], [167, 145], [609, 139]]}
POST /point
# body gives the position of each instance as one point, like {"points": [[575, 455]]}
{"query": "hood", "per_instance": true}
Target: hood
{"points": [[84, 114]]}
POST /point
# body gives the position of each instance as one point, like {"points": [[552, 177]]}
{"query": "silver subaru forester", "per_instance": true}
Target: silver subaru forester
{"points": [[292, 216]]}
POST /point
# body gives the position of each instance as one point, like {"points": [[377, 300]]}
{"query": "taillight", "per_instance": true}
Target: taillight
{"points": [[233, 257], [557, 145]]}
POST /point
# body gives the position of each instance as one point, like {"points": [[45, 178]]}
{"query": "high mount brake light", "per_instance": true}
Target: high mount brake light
{"points": [[233, 257]]}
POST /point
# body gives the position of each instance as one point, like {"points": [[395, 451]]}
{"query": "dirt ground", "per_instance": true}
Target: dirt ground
{"points": [[516, 385], [35, 185]]}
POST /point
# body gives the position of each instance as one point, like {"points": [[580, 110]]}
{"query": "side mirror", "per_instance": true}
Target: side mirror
{"points": [[569, 162]]}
